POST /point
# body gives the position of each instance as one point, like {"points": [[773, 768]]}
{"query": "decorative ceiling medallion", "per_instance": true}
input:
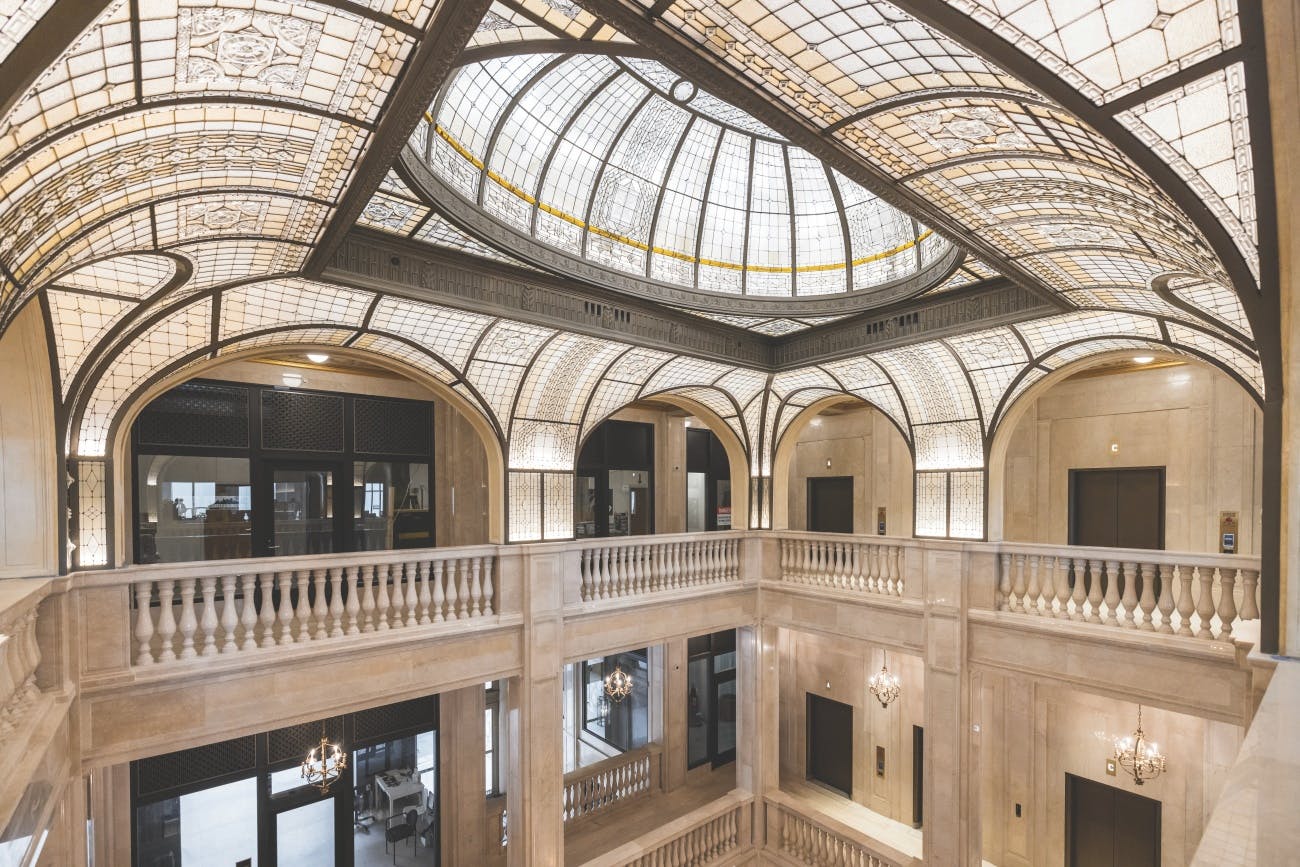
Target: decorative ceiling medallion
{"points": [[387, 214], [222, 46], [961, 130], [227, 216]]}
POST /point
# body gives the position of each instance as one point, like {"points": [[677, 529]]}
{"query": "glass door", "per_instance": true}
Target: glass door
{"points": [[304, 836], [301, 500]]}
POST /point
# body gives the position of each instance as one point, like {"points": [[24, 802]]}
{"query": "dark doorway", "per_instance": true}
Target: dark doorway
{"points": [[830, 743], [1123, 508], [830, 504], [613, 488], [708, 482], [711, 699], [1109, 827]]}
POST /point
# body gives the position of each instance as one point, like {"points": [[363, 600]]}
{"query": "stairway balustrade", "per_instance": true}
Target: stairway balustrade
{"points": [[616, 780]]}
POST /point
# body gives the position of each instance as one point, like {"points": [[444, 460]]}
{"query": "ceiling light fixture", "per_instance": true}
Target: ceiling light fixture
{"points": [[1143, 359], [1138, 756], [618, 684], [324, 764], [293, 380], [885, 686], [317, 357]]}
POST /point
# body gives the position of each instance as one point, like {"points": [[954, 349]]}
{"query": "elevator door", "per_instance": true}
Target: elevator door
{"points": [[1122, 508], [1109, 827], [830, 743], [830, 504]]}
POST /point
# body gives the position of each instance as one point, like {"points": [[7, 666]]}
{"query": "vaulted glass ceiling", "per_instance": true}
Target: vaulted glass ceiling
{"points": [[624, 164]]}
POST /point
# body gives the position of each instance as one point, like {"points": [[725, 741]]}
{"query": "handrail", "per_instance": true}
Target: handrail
{"points": [[614, 780], [703, 836], [810, 837]]}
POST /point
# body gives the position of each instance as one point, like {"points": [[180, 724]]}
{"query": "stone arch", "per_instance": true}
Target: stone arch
{"points": [[119, 446], [783, 453], [1020, 398]]}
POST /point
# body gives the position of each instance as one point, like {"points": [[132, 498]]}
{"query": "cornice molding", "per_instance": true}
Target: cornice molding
{"points": [[372, 260]]}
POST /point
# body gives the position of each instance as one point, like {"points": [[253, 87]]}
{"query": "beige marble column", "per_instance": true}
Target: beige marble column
{"points": [[758, 755], [460, 775], [534, 770], [950, 833], [673, 762]]}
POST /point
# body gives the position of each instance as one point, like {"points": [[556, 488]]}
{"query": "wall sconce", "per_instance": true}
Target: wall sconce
{"points": [[1114, 448], [293, 380], [816, 422], [828, 463]]}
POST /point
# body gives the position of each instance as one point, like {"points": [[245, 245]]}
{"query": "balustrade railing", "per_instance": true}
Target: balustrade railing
{"points": [[615, 780], [642, 565], [822, 842], [20, 655], [711, 834], [222, 608], [854, 564], [1200, 595]]}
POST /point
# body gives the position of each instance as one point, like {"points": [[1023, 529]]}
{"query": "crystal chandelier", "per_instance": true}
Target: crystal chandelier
{"points": [[618, 684], [1138, 756], [324, 764], [884, 686]]}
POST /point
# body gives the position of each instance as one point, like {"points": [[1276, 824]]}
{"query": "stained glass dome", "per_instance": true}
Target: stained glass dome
{"points": [[621, 164]]}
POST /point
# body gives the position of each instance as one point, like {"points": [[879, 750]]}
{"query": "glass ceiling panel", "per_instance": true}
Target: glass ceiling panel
{"points": [[623, 163]]}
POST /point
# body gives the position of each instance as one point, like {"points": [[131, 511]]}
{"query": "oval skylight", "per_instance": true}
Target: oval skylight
{"points": [[622, 164]]}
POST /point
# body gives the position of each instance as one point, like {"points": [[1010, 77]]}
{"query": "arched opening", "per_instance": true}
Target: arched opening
{"points": [[302, 449], [843, 450], [686, 495], [1130, 449]]}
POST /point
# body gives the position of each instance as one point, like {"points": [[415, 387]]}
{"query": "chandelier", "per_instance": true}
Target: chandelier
{"points": [[324, 764], [884, 686], [618, 684], [1139, 757]]}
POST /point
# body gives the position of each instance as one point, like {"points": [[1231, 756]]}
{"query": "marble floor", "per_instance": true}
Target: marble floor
{"points": [[604, 831]]}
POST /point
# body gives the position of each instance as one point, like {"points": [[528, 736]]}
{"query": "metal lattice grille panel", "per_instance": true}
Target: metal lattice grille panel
{"points": [[301, 422], [189, 768], [197, 414], [392, 427], [380, 722], [292, 743]]}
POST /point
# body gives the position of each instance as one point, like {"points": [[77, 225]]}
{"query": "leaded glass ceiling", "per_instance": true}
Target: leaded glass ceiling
{"points": [[625, 165]]}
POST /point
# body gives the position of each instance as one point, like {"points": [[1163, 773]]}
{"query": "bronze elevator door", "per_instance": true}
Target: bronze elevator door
{"points": [[830, 743], [1122, 508], [1109, 827], [830, 504]]}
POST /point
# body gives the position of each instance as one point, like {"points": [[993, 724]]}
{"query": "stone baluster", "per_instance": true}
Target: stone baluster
{"points": [[302, 611], [352, 605], [1165, 599], [143, 623], [1147, 600], [1227, 602], [383, 599], [166, 619], [284, 611], [1004, 584], [320, 607], [439, 595], [1249, 594], [1205, 603], [368, 603], [412, 593], [425, 597], [1018, 590], [476, 585], [1112, 592], [1130, 594], [1048, 588], [1061, 580], [208, 623], [229, 614], [336, 602], [1077, 567], [584, 569], [1094, 591], [453, 566], [1186, 605], [248, 611], [398, 604], [489, 588], [189, 623], [783, 545], [462, 590], [268, 615], [1034, 588]]}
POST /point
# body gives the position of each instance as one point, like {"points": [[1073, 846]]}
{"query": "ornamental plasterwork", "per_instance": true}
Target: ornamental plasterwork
{"points": [[387, 214], [957, 131], [1081, 235], [224, 45], [227, 216]]}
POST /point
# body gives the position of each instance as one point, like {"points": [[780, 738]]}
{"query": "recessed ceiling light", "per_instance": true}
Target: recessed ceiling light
{"points": [[1143, 359], [293, 380], [816, 422], [317, 357]]}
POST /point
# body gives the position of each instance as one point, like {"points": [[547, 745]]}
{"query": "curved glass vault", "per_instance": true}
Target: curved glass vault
{"points": [[624, 165]]}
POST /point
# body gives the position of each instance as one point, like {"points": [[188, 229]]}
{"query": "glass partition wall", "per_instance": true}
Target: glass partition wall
{"points": [[236, 470], [711, 699], [613, 489], [708, 482], [245, 802]]}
